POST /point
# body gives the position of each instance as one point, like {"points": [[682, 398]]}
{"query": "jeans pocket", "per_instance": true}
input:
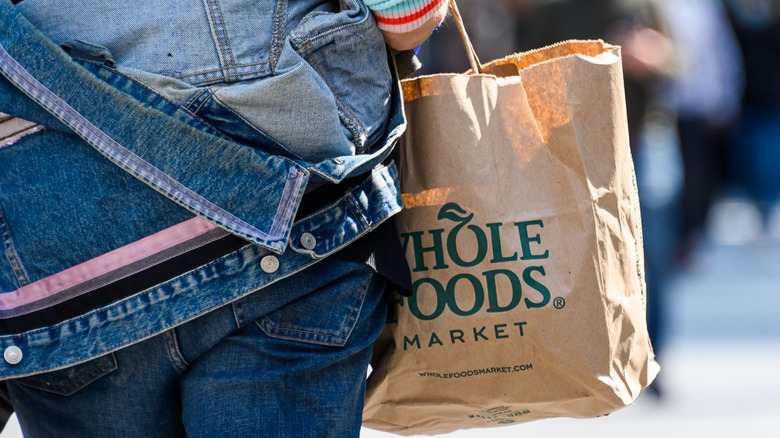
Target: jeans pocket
{"points": [[71, 380], [325, 316]]}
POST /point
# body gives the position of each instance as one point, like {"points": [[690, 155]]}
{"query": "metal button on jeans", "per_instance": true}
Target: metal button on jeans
{"points": [[269, 264], [12, 355], [308, 241]]}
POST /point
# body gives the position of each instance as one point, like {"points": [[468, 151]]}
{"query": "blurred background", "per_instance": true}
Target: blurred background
{"points": [[702, 84]]}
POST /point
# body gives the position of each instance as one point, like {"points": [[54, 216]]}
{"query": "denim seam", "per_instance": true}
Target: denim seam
{"points": [[11, 254], [73, 386], [227, 39], [194, 99], [200, 106], [173, 349], [357, 211], [239, 312], [335, 29], [128, 160], [287, 204], [337, 337], [226, 76], [280, 17], [222, 69], [337, 248], [89, 285], [218, 39], [352, 204]]}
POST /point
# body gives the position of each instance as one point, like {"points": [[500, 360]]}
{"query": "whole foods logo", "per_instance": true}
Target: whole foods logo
{"points": [[483, 243]]}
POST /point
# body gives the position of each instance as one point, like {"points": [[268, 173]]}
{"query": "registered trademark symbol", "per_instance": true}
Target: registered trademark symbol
{"points": [[559, 303]]}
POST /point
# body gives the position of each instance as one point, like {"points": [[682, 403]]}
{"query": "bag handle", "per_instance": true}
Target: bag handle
{"points": [[476, 66]]}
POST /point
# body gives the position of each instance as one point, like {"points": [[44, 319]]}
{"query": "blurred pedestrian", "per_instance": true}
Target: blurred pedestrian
{"points": [[755, 149], [704, 94]]}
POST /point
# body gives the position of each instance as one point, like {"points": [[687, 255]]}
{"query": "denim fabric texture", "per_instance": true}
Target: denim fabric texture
{"points": [[264, 366], [260, 102]]}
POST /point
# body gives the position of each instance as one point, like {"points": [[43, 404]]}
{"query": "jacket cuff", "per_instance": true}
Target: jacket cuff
{"points": [[401, 16]]}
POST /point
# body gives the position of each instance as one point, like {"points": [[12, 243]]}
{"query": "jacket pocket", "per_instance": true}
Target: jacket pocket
{"points": [[348, 52], [73, 379]]}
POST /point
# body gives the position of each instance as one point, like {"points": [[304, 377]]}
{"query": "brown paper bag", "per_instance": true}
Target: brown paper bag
{"points": [[523, 235]]}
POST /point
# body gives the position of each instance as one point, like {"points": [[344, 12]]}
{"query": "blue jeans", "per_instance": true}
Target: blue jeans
{"points": [[232, 372]]}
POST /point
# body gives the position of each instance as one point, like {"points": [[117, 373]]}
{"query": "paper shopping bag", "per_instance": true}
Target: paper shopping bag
{"points": [[522, 232]]}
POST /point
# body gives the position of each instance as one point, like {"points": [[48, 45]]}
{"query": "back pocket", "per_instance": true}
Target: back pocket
{"points": [[325, 316], [73, 379]]}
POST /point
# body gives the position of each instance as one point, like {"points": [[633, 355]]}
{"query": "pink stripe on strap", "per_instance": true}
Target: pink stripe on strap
{"points": [[105, 263]]}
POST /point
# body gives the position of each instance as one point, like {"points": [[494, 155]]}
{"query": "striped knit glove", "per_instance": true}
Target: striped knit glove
{"points": [[406, 23]]}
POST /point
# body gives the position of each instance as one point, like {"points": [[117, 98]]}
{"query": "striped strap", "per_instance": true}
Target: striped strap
{"points": [[400, 16], [12, 129]]}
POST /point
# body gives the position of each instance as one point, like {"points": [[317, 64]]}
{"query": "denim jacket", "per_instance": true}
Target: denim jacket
{"points": [[146, 158]]}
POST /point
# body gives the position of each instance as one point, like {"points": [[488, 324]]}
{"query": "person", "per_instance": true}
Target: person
{"points": [[198, 239], [704, 95], [753, 155]]}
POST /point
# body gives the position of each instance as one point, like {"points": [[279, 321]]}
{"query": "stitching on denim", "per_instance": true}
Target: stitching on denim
{"points": [[348, 198], [338, 29], [339, 337], [227, 39], [222, 69], [280, 18], [91, 313], [71, 387], [214, 29], [32, 334], [324, 334], [11, 254], [225, 76], [357, 211], [195, 99], [287, 204], [239, 307], [174, 350], [211, 95]]}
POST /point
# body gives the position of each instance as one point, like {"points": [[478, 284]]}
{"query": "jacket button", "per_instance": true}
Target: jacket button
{"points": [[12, 355], [269, 264], [308, 241]]}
